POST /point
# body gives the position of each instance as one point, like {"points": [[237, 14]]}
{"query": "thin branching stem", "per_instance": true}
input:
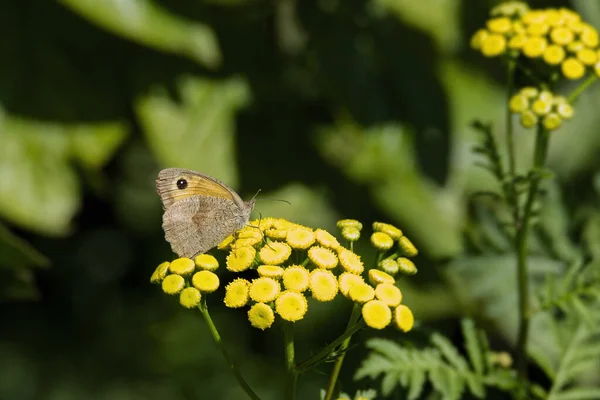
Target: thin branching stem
{"points": [[217, 338], [510, 146], [581, 88]]}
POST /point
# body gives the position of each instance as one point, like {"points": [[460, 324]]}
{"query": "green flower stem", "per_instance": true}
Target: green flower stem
{"points": [[510, 145], [580, 89], [290, 361], [335, 373], [217, 338], [521, 244]]}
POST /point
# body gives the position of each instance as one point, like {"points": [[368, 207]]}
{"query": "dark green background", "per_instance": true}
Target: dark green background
{"points": [[346, 109]]}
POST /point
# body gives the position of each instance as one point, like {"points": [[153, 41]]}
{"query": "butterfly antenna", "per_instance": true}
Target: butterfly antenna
{"points": [[253, 197], [284, 201]]}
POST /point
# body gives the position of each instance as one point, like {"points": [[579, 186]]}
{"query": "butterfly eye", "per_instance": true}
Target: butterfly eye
{"points": [[181, 184]]}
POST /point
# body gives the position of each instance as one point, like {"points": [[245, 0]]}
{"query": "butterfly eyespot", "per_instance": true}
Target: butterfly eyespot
{"points": [[181, 184]]}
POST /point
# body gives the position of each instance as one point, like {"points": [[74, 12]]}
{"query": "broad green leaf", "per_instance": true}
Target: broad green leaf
{"points": [[199, 132], [145, 22]]}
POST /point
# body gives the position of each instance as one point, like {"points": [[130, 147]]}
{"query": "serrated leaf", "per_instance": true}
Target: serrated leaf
{"points": [[472, 345], [416, 383]]}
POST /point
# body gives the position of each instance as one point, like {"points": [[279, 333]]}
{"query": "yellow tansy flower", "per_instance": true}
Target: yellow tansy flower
{"points": [[517, 42], [296, 278], [263, 223], [389, 266], [261, 316], [283, 224], [182, 266], [300, 239], [407, 248], [563, 108], [478, 38], [572, 68], [589, 36], [574, 47], [270, 271], [275, 253], [347, 280], [277, 234], [291, 306], [406, 266], [352, 223], [554, 55], [173, 284], [538, 29], [205, 281], [160, 272], [552, 121], [561, 35], [189, 297], [376, 277], [361, 292], [326, 239], [389, 294], [350, 261], [388, 229], [518, 103], [226, 243], [381, 241], [493, 45], [499, 25], [376, 314], [322, 257], [323, 285], [534, 46], [530, 92], [403, 317], [236, 293], [206, 261], [587, 56], [541, 107], [528, 119], [264, 290], [240, 258], [350, 233]]}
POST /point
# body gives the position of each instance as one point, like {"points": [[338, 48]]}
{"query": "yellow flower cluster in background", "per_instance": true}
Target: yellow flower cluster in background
{"points": [[534, 105], [295, 263], [557, 37]]}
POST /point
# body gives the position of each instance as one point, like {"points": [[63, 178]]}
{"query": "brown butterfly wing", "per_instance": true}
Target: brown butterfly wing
{"points": [[196, 184], [196, 224]]}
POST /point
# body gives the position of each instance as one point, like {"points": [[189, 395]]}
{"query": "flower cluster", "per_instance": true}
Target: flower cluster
{"points": [[558, 37], [294, 263], [533, 105]]}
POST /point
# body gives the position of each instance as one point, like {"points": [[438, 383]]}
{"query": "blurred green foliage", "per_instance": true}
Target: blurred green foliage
{"points": [[344, 108]]}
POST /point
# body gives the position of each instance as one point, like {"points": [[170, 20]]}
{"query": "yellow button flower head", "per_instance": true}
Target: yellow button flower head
{"points": [[538, 29], [530, 92], [226, 243], [350, 261], [376, 314], [389, 266], [403, 317], [322, 257], [277, 234], [389, 294], [518, 41], [263, 223], [361, 292], [499, 25], [554, 55], [381, 241], [182, 266], [510, 9], [323, 285], [350, 233], [552, 121], [541, 107], [173, 284], [264, 290], [478, 38], [347, 280], [376, 277], [236, 293], [250, 234], [587, 56], [349, 223], [388, 229], [406, 266], [160, 272], [326, 239], [534, 17], [275, 253], [296, 278], [300, 239], [283, 224], [205, 281], [572, 68], [407, 248], [589, 36], [528, 119], [574, 47], [518, 103], [291, 306], [261, 316], [189, 297], [562, 36], [240, 258], [206, 261], [535, 46], [270, 271], [563, 108], [493, 45]]}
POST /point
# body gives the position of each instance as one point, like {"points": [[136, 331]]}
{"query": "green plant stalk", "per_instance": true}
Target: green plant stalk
{"points": [[290, 361], [337, 367], [581, 88], [521, 245], [217, 338], [510, 144]]}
